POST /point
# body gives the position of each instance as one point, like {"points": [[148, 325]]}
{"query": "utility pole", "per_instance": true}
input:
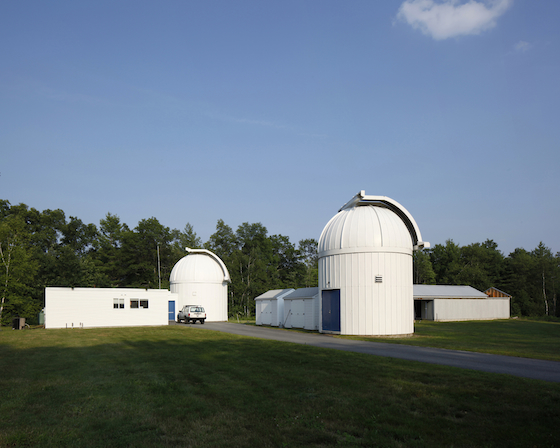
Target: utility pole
{"points": [[158, 266]]}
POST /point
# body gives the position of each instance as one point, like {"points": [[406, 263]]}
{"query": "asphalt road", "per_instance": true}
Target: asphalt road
{"points": [[522, 367]]}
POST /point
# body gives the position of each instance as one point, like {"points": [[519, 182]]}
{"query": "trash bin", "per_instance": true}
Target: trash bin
{"points": [[18, 323], [42, 317]]}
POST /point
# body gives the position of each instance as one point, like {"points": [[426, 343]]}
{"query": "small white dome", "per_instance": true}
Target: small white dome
{"points": [[197, 268], [365, 227]]}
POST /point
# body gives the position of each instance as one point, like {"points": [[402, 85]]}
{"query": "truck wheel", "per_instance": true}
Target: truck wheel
{"points": [[202, 321]]}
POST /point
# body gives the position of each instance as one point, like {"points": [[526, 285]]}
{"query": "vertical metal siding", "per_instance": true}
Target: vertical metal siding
{"points": [[471, 309], [258, 312], [369, 308], [274, 313]]}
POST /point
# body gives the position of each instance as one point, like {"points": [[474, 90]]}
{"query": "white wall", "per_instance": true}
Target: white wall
{"points": [[471, 309], [367, 307], [263, 312], [294, 313], [269, 311], [212, 296], [269, 307], [302, 313], [94, 307], [312, 307]]}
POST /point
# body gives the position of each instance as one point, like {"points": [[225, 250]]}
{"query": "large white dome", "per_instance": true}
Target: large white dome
{"points": [[365, 268], [365, 228]]}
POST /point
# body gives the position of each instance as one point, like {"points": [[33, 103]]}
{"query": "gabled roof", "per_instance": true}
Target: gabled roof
{"points": [[447, 292], [495, 292], [303, 293], [275, 294]]}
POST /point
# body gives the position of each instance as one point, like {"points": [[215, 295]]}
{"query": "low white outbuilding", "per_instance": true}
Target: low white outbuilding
{"points": [[107, 307], [301, 309], [269, 307], [458, 303], [201, 278]]}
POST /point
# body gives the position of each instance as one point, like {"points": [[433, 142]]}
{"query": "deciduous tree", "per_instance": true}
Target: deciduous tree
{"points": [[18, 270], [422, 267]]}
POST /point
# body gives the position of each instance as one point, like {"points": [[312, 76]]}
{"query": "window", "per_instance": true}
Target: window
{"points": [[136, 303], [118, 304]]}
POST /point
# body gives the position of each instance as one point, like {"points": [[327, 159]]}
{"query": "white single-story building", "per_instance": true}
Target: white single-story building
{"points": [[457, 303], [200, 278], [301, 309], [107, 307], [270, 307]]}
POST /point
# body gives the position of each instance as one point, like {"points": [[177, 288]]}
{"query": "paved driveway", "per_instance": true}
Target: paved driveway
{"points": [[523, 367]]}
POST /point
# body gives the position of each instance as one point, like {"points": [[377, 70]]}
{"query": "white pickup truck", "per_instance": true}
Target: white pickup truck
{"points": [[191, 313]]}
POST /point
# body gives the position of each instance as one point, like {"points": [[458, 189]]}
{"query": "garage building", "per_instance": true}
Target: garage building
{"points": [[457, 303]]}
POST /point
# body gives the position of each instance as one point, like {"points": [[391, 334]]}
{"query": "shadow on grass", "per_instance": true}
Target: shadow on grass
{"points": [[181, 386]]}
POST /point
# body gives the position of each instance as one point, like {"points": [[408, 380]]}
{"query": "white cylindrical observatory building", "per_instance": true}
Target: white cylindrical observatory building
{"points": [[365, 268], [201, 278]]}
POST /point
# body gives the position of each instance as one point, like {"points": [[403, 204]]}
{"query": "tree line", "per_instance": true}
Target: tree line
{"points": [[532, 278], [40, 249]]}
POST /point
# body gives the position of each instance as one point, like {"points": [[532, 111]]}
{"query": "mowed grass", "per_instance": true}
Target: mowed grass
{"points": [[184, 386], [512, 337]]}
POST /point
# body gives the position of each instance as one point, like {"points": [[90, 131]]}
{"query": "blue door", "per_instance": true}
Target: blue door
{"points": [[171, 310], [330, 303]]}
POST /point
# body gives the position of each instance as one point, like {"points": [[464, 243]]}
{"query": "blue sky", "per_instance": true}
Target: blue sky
{"points": [[280, 111]]}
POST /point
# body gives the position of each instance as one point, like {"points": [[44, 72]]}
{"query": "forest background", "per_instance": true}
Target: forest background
{"points": [[40, 249]]}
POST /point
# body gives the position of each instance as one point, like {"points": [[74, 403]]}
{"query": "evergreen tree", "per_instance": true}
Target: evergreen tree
{"points": [[182, 240]]}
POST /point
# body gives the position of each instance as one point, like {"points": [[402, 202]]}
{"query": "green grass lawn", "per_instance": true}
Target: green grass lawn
{"points": [[513, 337], [184, 386]]}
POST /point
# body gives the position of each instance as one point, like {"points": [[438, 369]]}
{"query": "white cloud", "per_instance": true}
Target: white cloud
{"points": [[450, 18], [522, 46]]}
